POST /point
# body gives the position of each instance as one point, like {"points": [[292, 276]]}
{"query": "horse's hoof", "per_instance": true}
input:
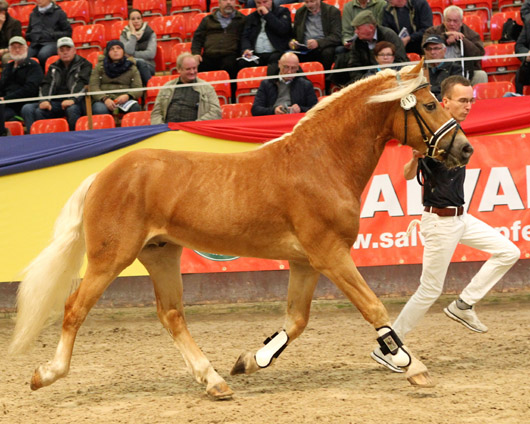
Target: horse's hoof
{"points": [[220, 391], [421, 380], [36, 382], [245, 364]]}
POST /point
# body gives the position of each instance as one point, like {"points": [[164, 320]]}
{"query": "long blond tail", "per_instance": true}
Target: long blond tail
{"points": [[53, 275]]}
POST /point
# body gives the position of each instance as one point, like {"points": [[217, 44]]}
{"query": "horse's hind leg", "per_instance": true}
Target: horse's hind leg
{"points": [[302, 282], [76, 309], [162, 261]]}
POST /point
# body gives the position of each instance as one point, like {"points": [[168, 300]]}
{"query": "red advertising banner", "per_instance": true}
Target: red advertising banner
{"points": [[497, 191]]}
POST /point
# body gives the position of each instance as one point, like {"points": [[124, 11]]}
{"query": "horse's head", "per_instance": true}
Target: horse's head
{"points": [[421, 122]]}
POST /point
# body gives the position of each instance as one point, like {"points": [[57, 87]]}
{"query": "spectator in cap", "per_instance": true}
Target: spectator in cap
{"points": [[461, 41], [20, 79], [352, 9], [139, 41], [318, 26], [9, 27], [410, 18], [47, 23], [369, 33], [68, 75], [114, 71], [435, 48]]}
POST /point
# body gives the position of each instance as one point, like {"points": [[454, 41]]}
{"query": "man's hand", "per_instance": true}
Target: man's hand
{"points": [[110, 104], [295, 109], [65, 104], [280, 110], [247, 53], [312, 44], [121, 99], [405, 40], [46, 105], [262, 10], [198, 57], [453, 36]]}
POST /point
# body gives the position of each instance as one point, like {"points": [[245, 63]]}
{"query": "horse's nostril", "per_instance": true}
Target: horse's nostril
{"points": [[467, 149]]}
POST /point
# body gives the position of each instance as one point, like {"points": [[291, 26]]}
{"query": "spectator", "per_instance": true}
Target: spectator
{"points": [[317, 26], [217, 40], [9, 27], [68, 75], [412, 17], [435, 49], [385, 53], [253, 3], [285, 94], [47, 23], [191, 103], [139, 41], [352, 9], [266, 35], [461, 41], [368, 35], [523, 46], [525, 11], [20, 79], [114, 71]]}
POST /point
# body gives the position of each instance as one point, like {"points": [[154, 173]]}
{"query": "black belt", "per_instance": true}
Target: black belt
{"points": [[445, 211]]}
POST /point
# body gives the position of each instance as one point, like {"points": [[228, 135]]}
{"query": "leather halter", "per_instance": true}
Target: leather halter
{"points": [[409, 103]]}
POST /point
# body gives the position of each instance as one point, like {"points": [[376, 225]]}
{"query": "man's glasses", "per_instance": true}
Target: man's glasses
{"points": [[433, 49], [464, 101]]}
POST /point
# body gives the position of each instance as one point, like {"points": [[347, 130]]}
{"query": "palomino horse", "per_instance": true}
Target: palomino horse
{"points": [[296, 198]]}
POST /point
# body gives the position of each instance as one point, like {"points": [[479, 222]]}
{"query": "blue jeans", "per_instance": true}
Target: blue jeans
{"points": [[31, 113], [42, 51], [146, 70]]}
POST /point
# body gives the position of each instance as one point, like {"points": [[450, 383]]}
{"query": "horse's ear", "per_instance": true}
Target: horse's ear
{"points": [[418, 68]]}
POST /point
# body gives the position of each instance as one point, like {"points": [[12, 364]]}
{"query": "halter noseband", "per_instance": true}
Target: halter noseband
{"points": [[409, 102]]}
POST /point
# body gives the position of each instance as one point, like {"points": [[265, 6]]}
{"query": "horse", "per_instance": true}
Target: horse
{"points": [[295, 198]]}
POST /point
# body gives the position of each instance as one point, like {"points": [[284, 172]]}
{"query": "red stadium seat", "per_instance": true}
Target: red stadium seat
{"points": [[475, 22], [222, 89], [481, 7], [414, 57], [187, 6], [497, 21], [500, 69], [193, 23], [247, 10], [169, 31], [318, 80], [293, 7], [78, 12], [98, 122], [93, 58], [22, 13], [151, 93], [437, 7], [150, 8], [47, 126], [114, 31], [236, 110], [509, 5], [176, 51], [246, 90], [15, 127], [107, 12], [89, 38], [160, 59], [49, 61], [136, 119], [492, 90]]}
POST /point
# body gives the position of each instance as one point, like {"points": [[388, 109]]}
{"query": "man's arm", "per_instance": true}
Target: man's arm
{"points": [[410, 169], [213, 109]]}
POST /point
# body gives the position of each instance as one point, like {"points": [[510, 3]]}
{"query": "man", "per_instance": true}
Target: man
{"points": [[192, 103], [286, 94], [410, 18], [20, 79], [47, 23], [68, 75], [352, 9], [368, 35], [9, 27], [216, 41], [461, 41], [522, 45], [444, 224], [317, 26], [435, 49], [266, 36]]}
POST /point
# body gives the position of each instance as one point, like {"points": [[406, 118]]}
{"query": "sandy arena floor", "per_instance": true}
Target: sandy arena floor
{"points": [[125, 369]]}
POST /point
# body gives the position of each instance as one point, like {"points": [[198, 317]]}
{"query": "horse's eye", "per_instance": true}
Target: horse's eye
{"points": [[430, 106]]}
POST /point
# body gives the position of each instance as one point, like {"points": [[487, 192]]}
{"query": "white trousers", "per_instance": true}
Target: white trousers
{"points": [[441, 237]]}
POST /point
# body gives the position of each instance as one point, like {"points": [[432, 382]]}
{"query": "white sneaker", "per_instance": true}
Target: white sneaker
{"points": [[467, 317], [385, 360]]}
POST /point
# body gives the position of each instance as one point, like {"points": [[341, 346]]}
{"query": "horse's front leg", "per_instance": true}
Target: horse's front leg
{"points": [[340, 268], [302, 282]]}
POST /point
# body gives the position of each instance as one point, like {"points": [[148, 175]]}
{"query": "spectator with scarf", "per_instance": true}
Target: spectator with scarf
{"points": [[139, 41], [114, 71]]}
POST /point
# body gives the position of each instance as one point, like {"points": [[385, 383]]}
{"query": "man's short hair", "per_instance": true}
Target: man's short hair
{"points": [[453, 8], [182, 56], [4, 5], [448, 84]]}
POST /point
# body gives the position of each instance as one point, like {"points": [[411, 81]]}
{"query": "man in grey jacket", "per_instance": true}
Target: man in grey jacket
{"points": [[188, 103]]}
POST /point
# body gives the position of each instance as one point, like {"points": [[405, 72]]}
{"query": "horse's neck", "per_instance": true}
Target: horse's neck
{"points": [[350, 140]]}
